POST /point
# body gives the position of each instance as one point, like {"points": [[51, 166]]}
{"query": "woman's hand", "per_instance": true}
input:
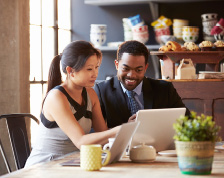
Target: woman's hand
{"points": [[132, 118]]}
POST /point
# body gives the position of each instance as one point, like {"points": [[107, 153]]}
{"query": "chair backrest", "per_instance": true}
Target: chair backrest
{"points": [[18, 137]]}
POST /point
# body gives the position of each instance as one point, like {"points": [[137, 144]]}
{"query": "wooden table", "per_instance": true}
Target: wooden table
{"points": [[162, 167]]}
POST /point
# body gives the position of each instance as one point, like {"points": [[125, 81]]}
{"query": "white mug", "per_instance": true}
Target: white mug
{"points": [[109, 145]]}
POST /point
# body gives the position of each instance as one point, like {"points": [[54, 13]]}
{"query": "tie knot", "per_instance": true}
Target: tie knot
{"points": [[130, 93]]}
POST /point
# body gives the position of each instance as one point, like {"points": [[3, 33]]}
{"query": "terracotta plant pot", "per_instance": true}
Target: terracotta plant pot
{"points": [[195, 158]]}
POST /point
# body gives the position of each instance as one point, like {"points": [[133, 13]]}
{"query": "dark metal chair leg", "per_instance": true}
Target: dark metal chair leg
{"points": [[4, 157]]}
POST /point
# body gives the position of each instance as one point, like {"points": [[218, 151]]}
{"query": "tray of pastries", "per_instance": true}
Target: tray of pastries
{"points": [[206, 52]]}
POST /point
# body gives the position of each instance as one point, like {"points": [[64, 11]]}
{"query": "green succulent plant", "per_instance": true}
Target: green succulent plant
{"points": [[196, 128]]}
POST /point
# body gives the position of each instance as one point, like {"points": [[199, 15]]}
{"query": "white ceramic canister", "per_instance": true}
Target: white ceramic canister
{"points": [[98, 34], [209, 20]]}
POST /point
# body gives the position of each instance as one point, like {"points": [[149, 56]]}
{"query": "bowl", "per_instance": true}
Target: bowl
{"points": [[165, 38], [161, 32], [143, 153], [190, 33]]}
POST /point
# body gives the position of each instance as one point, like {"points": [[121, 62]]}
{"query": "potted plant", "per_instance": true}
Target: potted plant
{"points": [[195, 139]]}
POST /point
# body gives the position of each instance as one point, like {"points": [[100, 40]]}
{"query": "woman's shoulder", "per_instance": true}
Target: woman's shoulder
{"points": [[54, 102], [92, 94], [55, 95], [55, 92]]}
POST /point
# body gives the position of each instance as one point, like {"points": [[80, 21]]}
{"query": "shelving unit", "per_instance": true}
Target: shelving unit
{"points": [[154, 10], [204, 95], [210, 58], [127, 2], [107, 48], [153, 4]]}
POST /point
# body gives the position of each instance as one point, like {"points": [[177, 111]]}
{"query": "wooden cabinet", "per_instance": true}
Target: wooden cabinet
{"points": [[203, 96], [210, 58]]}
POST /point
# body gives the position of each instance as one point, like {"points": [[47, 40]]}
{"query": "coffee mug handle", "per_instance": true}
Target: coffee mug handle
{"points": [[106, 146], [107, 158]]}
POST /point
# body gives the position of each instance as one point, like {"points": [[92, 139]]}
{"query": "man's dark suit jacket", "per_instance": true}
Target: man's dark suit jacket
{"points": [[156, 94]]}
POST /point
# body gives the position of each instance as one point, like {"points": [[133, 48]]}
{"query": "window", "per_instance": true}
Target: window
{"points": [[50, 32]]}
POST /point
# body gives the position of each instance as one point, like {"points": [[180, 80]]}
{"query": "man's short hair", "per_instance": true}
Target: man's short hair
{"points": [[134, 48]]}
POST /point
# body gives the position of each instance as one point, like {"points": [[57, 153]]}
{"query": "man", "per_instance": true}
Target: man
{"points": [[116, 103]]}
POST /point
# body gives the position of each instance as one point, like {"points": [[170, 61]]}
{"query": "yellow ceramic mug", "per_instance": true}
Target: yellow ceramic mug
{"points": [[91, 157]]}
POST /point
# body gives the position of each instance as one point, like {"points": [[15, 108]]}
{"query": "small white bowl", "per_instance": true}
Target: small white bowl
{"points": [[114, 44], [165, 38], [143, 153]]}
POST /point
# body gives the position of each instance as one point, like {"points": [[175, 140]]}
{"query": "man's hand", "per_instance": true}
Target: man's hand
{"points": [[132, 118]]}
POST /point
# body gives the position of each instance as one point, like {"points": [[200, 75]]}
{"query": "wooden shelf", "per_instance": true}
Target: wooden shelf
{"points": [[153, 4], [195, 80], [107, 48], [129, 2], [210, 58], [202, 57]]}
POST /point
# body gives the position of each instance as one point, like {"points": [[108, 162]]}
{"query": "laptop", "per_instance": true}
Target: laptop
{"points": [[156, 128], [122, 140], [119, 146]]}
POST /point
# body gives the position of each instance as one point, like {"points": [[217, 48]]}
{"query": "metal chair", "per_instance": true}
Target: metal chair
{"points": [[4, 157], [18, 138]]}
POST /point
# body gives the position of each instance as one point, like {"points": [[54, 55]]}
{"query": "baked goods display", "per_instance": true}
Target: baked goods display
{"points": [[191, 46], [189, 50]]}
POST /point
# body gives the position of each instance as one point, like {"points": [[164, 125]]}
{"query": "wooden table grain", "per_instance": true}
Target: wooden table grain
{"points": [[161, 167]]}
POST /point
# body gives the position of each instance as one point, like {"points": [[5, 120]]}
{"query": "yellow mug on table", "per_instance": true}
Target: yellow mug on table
{"points": [[91, 157]]}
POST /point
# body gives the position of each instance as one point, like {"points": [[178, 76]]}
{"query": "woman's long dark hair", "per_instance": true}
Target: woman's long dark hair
{"points": [[54, 75], [75, 56]]}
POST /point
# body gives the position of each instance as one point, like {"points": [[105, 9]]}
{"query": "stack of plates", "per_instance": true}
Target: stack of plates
{"points": [[219, 146], [169, 153], [114, 44]]}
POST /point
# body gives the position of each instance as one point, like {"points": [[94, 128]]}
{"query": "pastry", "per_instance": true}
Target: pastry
{"points": [[173, 46], [183, 48], [191, 46], [206, 45], [163, 48], [219, 45]]}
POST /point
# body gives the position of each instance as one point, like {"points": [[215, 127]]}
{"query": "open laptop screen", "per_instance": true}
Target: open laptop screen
{"points": [[122, 140], [156, 127]]}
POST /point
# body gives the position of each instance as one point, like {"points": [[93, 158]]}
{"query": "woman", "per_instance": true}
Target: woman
{"points": [[71, 108]]}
